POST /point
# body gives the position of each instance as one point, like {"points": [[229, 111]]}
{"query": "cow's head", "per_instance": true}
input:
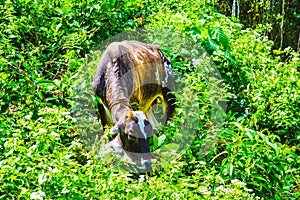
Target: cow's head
{"points": [[134, 132]]}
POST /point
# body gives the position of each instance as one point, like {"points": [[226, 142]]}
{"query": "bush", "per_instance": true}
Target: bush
{"points": [[260, 161], [44, 43], [267, 88], [262, 94]]}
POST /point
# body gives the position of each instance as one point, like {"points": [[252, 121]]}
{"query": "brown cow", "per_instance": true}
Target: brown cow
{"points": [[131, 71]]}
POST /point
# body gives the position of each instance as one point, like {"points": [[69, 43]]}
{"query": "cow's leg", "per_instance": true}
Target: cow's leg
{"points": [[103, 116], [168, 104]]}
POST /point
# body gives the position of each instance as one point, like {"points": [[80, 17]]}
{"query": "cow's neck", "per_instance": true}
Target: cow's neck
{"points": [[117, 99], [119, 110]]}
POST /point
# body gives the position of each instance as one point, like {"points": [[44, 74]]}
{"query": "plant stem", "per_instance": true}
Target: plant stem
{"points": [[281, 27], [298, 45]]}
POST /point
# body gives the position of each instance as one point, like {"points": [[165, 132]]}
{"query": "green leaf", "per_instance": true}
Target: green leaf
{"points": [[211, 46], [249, 133], [277, 197], [273, 145], [161, 139], [4, 75], [58, 26], [171, 147], [52, 98], [155, 142], [219, 36], [231, 169], [228, 56], [44, 81]]}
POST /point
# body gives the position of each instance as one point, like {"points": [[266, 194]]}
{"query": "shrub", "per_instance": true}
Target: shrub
{"points": [[44, 43], [258, 159]]}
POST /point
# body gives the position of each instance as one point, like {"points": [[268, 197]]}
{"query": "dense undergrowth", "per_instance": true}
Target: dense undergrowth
{"points": [[43, 44]]}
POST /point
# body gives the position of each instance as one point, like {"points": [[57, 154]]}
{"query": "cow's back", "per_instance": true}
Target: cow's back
{"points": [[141, 69]]}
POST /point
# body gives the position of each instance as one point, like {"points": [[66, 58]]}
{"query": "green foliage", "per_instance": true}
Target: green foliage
{"points": [[268, 90], [259, 160], [253, 154], [215, 40], [263, 93]]}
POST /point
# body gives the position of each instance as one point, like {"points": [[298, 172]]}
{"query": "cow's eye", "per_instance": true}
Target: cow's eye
{"points": [[146, 122]]}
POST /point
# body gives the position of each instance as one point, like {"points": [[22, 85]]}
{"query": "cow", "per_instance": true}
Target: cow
{"points": [[132, 71]]}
